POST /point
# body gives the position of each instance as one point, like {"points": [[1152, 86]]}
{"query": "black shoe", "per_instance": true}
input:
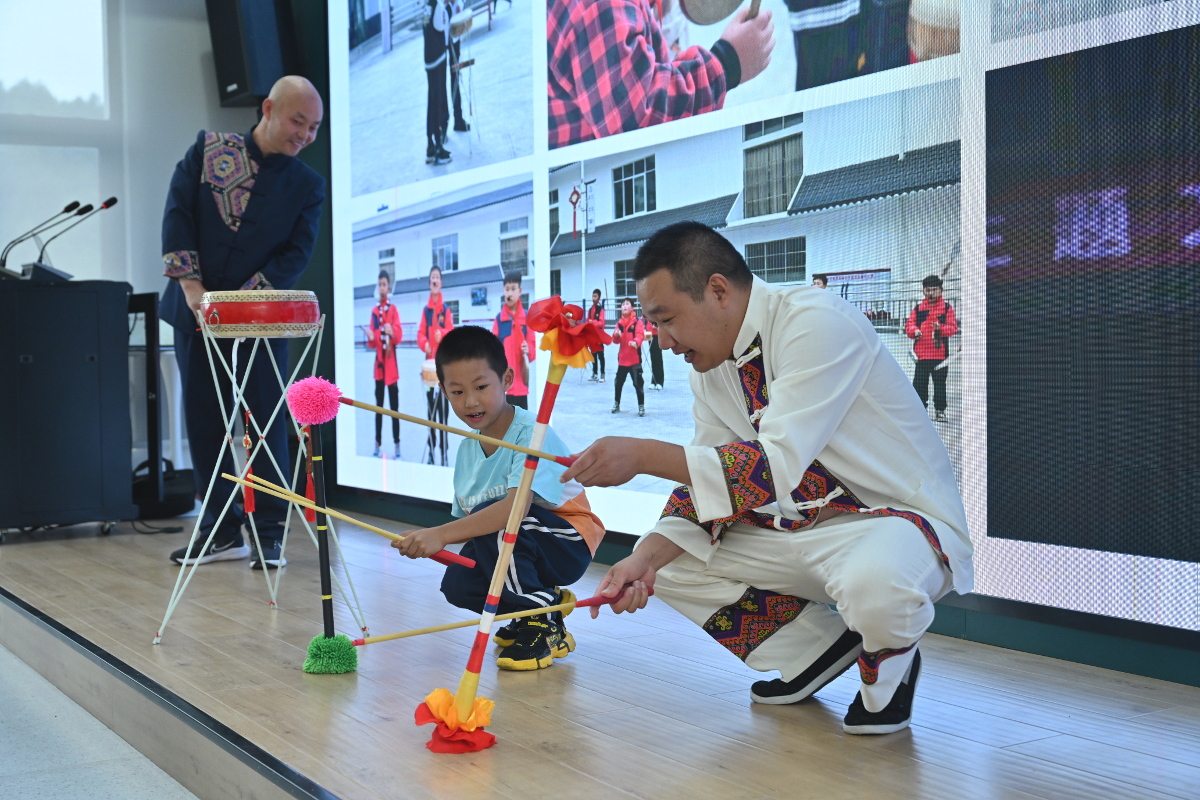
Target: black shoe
{"points": [[832, 663], [441, 157], [508, 634], [616, 409], [562, 643], [939, 416], [272, 555], [231, 549], [641, 411], [462, 126], [430, 154], [533, 648], [897, 714]]}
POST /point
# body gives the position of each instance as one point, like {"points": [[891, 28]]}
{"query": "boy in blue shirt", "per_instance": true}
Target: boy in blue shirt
{"points": [[559, 534]]}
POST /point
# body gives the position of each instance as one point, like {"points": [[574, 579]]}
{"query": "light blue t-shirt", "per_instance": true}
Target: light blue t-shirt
{"points": [[479, 479]]}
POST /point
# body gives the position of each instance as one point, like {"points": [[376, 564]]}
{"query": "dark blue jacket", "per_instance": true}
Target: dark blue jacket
{"points": [[237, 220]]}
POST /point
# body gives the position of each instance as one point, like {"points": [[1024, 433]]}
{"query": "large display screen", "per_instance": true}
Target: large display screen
{"points": [[1038, 158]]}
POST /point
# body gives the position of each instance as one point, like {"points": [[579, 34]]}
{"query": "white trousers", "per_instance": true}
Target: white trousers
{"points": [[881, 573]]}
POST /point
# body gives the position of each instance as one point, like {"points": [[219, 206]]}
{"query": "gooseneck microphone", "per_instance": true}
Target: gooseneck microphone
{"points": [[109, 203], [36, 229]]}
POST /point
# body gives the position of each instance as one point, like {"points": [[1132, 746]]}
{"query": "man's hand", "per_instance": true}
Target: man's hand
{"points": [[752, 40], [193, 291], [610, 461], [635, 575], [421, 544]]}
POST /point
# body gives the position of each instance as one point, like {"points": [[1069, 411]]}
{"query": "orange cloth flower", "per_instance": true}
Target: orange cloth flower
{"points": [[452, 735], [566, 334]]}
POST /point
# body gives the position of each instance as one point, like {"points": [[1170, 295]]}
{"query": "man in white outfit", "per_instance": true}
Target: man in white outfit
{"points": [[814, 479]]}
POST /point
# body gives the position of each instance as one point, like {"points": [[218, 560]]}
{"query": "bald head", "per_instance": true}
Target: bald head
{"points": [[292, 114]]}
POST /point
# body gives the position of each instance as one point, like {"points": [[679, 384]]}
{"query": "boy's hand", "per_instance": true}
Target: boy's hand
{"points": [[421, 544], [753, 40]]}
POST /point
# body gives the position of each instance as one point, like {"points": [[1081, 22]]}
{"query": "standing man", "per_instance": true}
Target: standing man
{"points": [[383, 334], [437, 111], [813, 478], [595, 316], [930, 326], [519, 345], [628, 336], [436, 321], [242, 213], [460, 122]]}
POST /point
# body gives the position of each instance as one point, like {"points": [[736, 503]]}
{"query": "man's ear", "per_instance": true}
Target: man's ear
{"points": [[718, 284], [268, 107]]}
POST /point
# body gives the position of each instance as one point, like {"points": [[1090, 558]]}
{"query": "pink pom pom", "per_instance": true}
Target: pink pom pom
{"points": [[313, 401]]}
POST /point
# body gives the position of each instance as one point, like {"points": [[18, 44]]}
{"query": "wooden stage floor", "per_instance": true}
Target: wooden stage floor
{"points": [[647, 707]]}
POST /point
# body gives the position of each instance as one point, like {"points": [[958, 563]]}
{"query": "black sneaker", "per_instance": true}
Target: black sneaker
{"points": [[940, 416], [616, 409], [508, 634], [462, 126], [832, 663], [897, 714], [562, 643], [272, 555], [231, 549], [641, 411], [532, 647]]}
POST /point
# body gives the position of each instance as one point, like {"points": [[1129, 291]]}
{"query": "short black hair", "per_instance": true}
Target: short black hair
{"points": [[822, 277], [596, 291], [931, 280], [692, 252], [383, 273], [513, 276], [467, 342], [435, 266]]}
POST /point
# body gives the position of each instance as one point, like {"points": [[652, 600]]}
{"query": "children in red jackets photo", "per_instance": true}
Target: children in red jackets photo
{"points": [[436, 321], [519, 346], [628, 337], [383, 334], [595, 316], [930, 326]]}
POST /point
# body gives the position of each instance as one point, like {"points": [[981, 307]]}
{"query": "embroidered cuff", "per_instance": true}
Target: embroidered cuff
{"points": [[182, 264], [747, 475], [710, 498], [257, 282], [680, 505]]}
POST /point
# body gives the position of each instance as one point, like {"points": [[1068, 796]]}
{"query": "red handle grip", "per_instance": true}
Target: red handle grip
{"points": [[566, 461], [601, 600], [447, 558]]}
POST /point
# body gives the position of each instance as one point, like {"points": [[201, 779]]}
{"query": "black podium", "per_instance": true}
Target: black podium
{"points": [[64, 403]]}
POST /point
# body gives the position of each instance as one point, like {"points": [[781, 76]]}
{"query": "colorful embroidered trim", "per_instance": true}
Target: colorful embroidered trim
{"points": [[753, 375], [746, 624], [817, 483], [868, 663], [680, 504], [182, 264], [230, 171], [258, 281], [747, 475]]}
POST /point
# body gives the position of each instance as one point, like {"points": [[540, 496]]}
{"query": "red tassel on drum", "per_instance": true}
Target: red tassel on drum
{"points": [[310, 493], [247, 492]]}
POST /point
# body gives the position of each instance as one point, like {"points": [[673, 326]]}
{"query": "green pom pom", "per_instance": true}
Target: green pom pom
{"points": [[331, 656]]}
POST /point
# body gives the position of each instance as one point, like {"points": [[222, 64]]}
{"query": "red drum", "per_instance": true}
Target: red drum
{"points": [[262, 313]]}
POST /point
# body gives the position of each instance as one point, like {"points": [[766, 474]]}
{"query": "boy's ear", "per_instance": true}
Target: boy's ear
{"points": [[509, 375]]}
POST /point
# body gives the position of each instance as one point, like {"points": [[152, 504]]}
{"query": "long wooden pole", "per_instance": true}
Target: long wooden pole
{"points": [[566, 461], [266, 487]]}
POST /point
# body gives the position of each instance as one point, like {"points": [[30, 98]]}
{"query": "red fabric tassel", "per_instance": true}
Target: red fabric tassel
{"points": [[248, 493], [445, 740], [310, 493]]}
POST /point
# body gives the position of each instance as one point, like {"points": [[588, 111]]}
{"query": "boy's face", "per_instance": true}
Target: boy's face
{"points": [[476, 393], [512, 293], [932, 293], [627, 308], [384, 290], [595, 297], [435, 281]]}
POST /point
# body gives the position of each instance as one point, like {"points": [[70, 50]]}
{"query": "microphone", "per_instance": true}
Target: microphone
{"points": [[36, 229], [84, 212]]}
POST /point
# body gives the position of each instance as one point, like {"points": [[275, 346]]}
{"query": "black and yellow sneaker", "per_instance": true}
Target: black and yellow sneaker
{"points": [[532, 648], [508, 634], [562, 643]]}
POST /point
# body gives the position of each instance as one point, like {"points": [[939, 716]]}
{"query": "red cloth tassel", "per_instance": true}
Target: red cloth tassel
{"points": [[445, 740], [248, 493], [310, 493]]}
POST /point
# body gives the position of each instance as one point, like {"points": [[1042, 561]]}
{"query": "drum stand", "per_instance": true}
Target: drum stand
{"points": [[238, 407]]}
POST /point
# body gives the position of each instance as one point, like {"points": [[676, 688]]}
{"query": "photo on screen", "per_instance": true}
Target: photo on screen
{"points": [[806, 198], [622, 65], [447, 86], [422, 270], [1093, 304]]}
